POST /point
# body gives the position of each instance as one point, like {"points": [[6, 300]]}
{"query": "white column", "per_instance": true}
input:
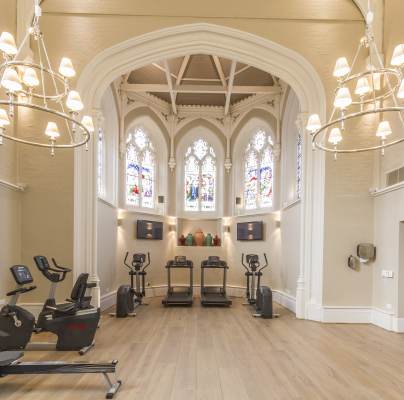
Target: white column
{"points": [[228, 132], [122, 113], [301, 122], [171, 131]]}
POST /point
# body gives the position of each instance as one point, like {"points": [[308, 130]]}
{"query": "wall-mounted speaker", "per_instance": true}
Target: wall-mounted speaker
{"points": [[160, 199], [238, 201]]}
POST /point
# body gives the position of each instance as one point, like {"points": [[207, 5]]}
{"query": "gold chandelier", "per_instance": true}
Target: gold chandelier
{"points": [[30, 84], [377, 90]]}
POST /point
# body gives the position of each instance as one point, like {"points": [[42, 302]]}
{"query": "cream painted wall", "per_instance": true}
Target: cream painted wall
{"points": [[319, 30], [10, 201]]}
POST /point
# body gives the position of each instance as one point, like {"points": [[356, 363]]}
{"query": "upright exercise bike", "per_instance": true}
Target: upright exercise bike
{"points": [[130, 297], [258, 296]]}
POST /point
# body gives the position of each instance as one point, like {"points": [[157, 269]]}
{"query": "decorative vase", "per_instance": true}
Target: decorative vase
{"points": [[208, 240], [216, 241], [182, 240], [189, 241], [199, 237]]}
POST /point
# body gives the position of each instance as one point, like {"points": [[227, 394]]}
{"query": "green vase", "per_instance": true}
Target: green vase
{"points": [[208, 240], [189, 241]]}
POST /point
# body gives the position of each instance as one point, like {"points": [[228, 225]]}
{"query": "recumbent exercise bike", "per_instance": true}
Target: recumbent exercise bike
{"points": [[258, 296], [130, 297], [16, 327]]}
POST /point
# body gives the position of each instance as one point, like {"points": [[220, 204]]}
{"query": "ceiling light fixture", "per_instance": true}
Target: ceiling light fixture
{"points": [[377, 90], [35, 85]]}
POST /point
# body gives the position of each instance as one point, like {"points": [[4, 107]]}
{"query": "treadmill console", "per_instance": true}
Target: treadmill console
{"points": [[213, 260], [180, 260], [21, 274]]}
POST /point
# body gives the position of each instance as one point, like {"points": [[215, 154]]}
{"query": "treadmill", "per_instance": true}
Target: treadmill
{"points": [[179, 295], [214, 295]]}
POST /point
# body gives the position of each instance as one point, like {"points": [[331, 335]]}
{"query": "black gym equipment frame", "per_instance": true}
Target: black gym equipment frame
{"points": [[214, 295], [10, 365], [179, 295]]}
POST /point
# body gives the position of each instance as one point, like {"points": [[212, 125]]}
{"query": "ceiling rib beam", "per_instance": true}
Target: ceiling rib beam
{"points": [[214, 89], [181, 72], [158, 66], [170, 86], [230, 87], [219, 70]]}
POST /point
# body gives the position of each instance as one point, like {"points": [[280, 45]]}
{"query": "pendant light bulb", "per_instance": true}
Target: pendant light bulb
{"points": [[398, 56], [74, 102], [314, 123], [335, 136], [7, 44], [66, 68], [52, 131], [362, 87], [384, 130], [11, 81], [30, 78], [343, 98], [341, 68], [4, 120], [87, 121]]}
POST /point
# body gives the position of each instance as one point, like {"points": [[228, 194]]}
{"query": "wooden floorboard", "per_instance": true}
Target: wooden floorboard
{"points": [[226, 354]]}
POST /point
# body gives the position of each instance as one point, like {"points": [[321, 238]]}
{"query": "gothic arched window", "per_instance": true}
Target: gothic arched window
{"points": [[258, 172], [200, 177], [140, 170]]}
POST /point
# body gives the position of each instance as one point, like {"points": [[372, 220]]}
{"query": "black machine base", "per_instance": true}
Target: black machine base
{"points": [[178, 298], [214, 297], [10, 365]]}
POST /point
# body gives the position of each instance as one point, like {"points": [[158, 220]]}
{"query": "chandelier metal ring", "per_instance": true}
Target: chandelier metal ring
{"points": [[86, 133], [53, 75], [383, 72], [334, 122]]}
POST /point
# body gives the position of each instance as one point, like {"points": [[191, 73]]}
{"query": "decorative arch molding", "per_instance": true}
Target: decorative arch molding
{"points": [[182, 125], [230, 43], [134, 106]]}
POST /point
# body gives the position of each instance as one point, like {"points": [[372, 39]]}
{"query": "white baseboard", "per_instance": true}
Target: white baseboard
{"points": [[108, 300], [346, 315], [284, 299], [387, 320]]}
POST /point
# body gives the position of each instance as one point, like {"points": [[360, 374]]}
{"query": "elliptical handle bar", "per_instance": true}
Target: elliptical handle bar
{"points": [[148, 261], [126, 257], [266, 263], [242, 262]]}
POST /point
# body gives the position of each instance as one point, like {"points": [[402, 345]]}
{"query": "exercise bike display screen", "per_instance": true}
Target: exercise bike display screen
{"points": [[21, 274]]}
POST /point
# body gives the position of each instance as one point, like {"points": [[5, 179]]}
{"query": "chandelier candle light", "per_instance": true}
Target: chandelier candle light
{"points": [[377, 90], [34, 85]]}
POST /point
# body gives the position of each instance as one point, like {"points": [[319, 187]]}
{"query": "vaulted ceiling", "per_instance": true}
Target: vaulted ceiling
{"points": [[200, 79]]}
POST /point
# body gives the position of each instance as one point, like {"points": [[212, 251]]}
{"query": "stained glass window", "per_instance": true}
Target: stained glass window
{"points": [[258, 172], [140, 170], [101, 163], [299, 166], [200, 177]]}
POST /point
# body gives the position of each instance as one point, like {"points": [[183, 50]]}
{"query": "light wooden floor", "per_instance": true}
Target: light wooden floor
{"points": [[213, 353]]}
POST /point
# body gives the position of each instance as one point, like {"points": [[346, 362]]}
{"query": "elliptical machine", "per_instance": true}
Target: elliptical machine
{"points": [[258, 296], [130, 297]]}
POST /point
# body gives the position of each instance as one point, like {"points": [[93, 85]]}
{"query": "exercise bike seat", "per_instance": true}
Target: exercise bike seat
{"points": [[8, 357]]}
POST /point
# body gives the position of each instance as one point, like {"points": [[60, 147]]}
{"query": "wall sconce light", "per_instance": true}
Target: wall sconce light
{"points": [[120, 221], [226, 228], [160, 199], [238, 201], [278, 224], [172, 228]]}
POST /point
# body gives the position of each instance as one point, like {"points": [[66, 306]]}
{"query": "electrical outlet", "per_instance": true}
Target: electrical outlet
{"points": [[387, 274]]}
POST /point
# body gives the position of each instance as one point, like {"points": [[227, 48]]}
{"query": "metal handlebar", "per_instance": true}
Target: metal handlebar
{"points": [[59, 268], [126, 257], [242, 262], [266, 263], [148, 261]]}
